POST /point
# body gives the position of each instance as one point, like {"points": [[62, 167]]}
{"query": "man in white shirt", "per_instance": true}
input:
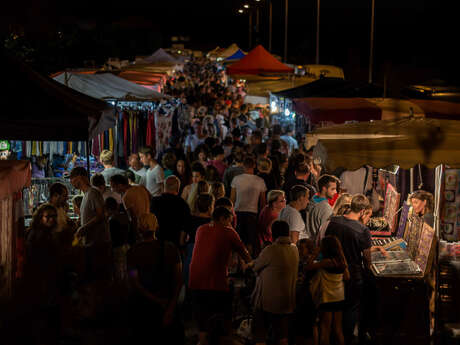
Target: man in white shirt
{"points": [[248, 195], [136, 166], [193, 140], [299, 196], [154, 176]]}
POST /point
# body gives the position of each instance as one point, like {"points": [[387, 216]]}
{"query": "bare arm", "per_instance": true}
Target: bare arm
{"points": [[367, 258], [294, 235], [233, 195]]}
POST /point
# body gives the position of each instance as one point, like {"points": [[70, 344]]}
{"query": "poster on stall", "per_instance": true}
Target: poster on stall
{"points": [[450, 215], [423, 257], [413, 234], [391, 207], [403, 220]]}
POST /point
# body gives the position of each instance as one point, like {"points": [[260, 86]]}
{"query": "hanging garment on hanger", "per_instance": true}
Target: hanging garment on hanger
{"points": [[34, 148], [125, 134], [163, 124], [111, 139], [120, 137], [135, 124], [150, 134]]}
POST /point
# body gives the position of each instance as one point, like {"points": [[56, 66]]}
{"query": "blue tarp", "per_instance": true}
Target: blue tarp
{"points": [[238, 55]]}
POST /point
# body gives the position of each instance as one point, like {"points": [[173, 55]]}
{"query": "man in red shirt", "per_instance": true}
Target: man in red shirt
{"points": [[214, 244]]}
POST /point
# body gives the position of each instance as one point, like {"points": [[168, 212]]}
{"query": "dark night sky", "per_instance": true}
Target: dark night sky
{"points": [[417, 37]]}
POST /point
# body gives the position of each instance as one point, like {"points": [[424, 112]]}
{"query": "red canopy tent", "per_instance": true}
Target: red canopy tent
{"points": [[258, 61]]}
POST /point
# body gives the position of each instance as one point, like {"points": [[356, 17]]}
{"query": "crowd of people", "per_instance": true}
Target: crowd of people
{"points": [[231, 193]]}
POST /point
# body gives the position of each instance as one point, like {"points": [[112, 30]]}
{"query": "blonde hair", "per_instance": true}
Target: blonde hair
{"points": [[264, 165], [273, 195], [106, 157], [343, 199]]}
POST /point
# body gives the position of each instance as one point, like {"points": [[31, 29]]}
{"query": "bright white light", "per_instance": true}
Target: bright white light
{"points": [[287, 112], [246, 6], [273, 107], [240, 11]]}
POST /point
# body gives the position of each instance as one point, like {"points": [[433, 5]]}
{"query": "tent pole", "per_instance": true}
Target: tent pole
{"points": [[87, 158]]}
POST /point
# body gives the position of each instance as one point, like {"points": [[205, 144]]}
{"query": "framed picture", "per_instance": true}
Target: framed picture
{"points": [[449, 195]]}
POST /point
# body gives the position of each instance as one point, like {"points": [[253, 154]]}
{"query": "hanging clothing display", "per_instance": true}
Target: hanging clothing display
{"points": [[163, 124]]}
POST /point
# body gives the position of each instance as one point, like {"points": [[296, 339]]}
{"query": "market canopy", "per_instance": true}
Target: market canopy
{"points": [[258, 61], [340, 110], [229, 51], [332, 87], [239, 54], [161, 57], [107, 86], [404, 142], [36, 107]]}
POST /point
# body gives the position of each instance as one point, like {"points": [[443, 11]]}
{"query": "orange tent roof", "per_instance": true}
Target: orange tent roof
{"points": [[258, 61]]}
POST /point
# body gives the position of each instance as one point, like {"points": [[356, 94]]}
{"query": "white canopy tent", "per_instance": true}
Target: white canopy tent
{"points": [[161, 57], [108, 86]]}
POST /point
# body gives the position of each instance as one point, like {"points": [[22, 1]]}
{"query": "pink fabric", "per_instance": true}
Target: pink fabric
{"points": [[264, 226], [14, 176]]}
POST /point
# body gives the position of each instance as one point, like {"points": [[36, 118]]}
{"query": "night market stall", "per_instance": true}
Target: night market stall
{"points": [[413, 280], [14, 176]]}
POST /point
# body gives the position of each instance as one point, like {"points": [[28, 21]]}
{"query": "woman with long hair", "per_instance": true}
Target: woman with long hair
{"points": [[184, 173], [328, 290]]}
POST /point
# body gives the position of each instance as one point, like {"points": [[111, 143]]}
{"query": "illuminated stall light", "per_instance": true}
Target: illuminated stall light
{"points": [[287, 112]]}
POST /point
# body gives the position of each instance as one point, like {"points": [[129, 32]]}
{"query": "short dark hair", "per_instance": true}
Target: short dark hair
{"points": [[147, 150], [249, 162], [261, 149], [302, 169], [119, 180], [98, 180], [204, 202], [238, 156], [57, 188], [217, 150], [130, 175], [221, 212], [78, 171], [111, 204], [198, 167], [297, 192], [280, 228], [224, 201], [324, 181]]}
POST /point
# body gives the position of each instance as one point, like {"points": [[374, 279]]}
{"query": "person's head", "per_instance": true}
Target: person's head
{"points": [[276, 130], [331, 248], [211, 174], [327, 185], [201, 153], [76, 202], [79, 177], [106, 157], [256, 137], [119, 183], [422, 202], [366, 217], [172, 185], [169, 161], [130, 176], [147, 225], [360, 205], [181, 167], [146, 155], [205, 204], [261, 150], [111, 206], [289, 130], [264, 165], [223, 216], [279, 228], [299, 196], [249, 164], [302, 171], [306, 247], [44, 217], [224, 202], [343, 199], [218, 153], [218, 190], [58, 194], [202, 187], [276, 199], [198, 172], [98, 181], [134, 161]]}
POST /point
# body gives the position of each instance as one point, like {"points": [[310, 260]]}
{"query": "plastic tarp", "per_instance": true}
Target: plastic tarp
{"points": [[36, 107], [161, 57], [332, 87], [404, 142], [108, 87], [237, 56], [258, 61]]}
